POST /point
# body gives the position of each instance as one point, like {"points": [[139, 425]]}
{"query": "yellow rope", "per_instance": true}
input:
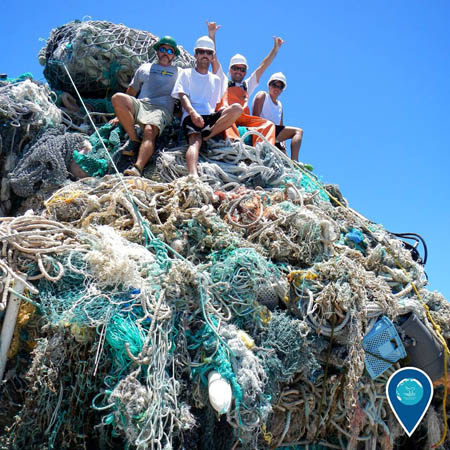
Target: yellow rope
{"points": [[267, 435], [67, 197], [26, 312], [436, 327], [386, 244]]}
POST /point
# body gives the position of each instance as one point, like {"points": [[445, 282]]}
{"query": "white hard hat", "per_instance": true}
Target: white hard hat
{"points": [[206, 43], [238, 59], [278, 76]]}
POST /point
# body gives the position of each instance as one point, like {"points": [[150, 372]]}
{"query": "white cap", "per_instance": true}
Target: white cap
{"points": [[205, 43], [238, 59], [278, 76]]}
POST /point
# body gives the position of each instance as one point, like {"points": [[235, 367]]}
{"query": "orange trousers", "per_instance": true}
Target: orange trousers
{"points": [[236, 94]]}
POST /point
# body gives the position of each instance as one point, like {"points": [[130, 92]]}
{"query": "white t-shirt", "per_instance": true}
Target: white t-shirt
{"points": [[251, 82], [270, 110], [204, 90]]}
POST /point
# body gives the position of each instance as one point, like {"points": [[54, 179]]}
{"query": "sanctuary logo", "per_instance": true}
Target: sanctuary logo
{"points": [[409, 392]]}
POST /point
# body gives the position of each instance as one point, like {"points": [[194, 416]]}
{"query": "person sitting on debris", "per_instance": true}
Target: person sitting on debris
{"points": [[267, 105], [240, 90], [147, 102], [199, 92]]}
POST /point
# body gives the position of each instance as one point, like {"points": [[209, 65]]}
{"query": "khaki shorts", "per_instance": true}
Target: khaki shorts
{"points": [[147, 114]]}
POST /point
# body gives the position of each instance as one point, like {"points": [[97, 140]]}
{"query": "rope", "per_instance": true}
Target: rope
{"points": [[425, 306], [136, 331]]}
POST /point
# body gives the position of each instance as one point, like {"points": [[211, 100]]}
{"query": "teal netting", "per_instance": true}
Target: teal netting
{"points": [[23, 77], [75, 299], [120, 331], [288, 350], [308, 183], [216, 358], [96, 162], [241, 274]]}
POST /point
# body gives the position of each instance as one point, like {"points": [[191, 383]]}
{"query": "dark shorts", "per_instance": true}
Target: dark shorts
{"points": [[210, 119], [278, 129]]}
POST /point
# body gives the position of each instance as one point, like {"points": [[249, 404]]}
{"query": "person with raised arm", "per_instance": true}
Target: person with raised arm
{"points": [[200, 92], [239, 89]]}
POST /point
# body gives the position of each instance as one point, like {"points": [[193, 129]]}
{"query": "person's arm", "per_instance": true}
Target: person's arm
{"points": [[140, 76], [258, 103], [197, 119], [212, 29], [216, 66], [281, 121], [131, 91], [277, 43]]}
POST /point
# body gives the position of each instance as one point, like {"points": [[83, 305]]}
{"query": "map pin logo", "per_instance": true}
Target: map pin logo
{"points": [[409, 392]]}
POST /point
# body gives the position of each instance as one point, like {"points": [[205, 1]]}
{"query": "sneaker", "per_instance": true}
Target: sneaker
{"points": [[132, 171], [130, 148]]}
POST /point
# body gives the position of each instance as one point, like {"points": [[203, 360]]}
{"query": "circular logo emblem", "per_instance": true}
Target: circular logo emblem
{"points": [[409, 391]]}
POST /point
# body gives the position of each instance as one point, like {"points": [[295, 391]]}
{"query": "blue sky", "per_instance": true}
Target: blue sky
{"points": [[368, 81]]}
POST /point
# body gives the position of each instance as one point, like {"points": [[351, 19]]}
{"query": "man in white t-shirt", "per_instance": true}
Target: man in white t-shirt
{"points": [[267, 105], [199, 92], [147, 102], [240, 90]]}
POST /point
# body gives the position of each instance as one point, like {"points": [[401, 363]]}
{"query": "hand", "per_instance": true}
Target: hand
{"points": [[277, 42], [283, 145], [212, 28], [114, 122], [197, 119]]}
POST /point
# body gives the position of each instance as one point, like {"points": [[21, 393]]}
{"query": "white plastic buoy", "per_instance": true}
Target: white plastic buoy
{"points": [[219, 391]]}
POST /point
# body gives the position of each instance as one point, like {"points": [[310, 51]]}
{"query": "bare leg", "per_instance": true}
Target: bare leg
{"points": [[296, 134], [195, 142], [124, 109], [229, 115], [147, 147]]}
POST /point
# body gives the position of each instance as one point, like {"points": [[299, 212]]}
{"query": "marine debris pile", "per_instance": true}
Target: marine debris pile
{"points": [[248, 309], [100, 56]]}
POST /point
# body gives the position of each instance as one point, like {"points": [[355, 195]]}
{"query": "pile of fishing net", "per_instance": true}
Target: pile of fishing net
{"points": [[250, 308], [26, 108], [41, 148], [46, 162], [222, 163], [100, 56], [142, 297]]}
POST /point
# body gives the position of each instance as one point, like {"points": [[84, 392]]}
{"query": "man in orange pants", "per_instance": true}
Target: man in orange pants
{"points": [[239, 90]]}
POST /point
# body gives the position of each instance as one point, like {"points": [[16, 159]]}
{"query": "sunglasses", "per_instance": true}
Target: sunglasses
{"points": [[201, 51], [169, 51], [238, 69], [277, 85]]}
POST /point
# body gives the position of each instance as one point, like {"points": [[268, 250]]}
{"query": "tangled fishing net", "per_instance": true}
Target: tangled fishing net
{"points": [[46, 162], [26, 108], [120, 296], [287, 337], [100, 56], [226, 165]]}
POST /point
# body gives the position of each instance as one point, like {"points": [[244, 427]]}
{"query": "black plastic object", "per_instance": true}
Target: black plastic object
{"points": [[413, 247], [424, 350]]}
